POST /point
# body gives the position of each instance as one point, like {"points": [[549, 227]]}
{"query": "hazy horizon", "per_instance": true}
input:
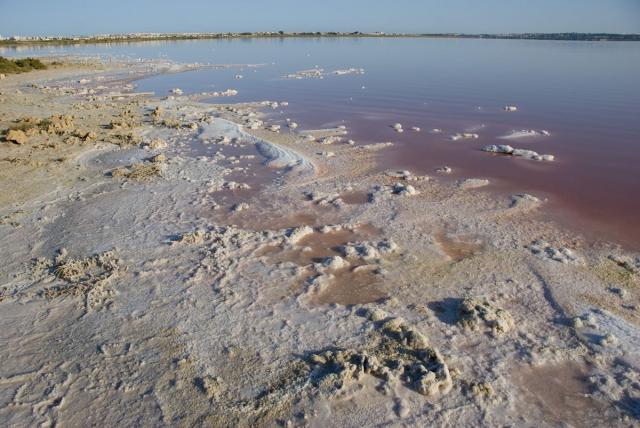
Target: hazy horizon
{"points": [[74, 17]]}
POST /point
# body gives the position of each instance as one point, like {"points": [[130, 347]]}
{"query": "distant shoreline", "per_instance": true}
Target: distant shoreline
{"points": [[145, 37]]}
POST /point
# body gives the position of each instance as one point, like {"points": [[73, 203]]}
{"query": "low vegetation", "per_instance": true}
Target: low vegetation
{"points": [[8, 66]]}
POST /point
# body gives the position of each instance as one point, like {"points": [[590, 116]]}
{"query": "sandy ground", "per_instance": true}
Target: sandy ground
{"points": [[163, 263]]}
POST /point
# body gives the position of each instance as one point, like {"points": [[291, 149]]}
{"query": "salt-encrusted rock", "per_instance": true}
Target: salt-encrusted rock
{"points": [[319, 283], [334, 263], [159, 158], [292, 125], [415, 128], [367, 250], [16, 136], [326, 154], [530, 154], [444, 170], [404, 189], [477, 312], [374, 314], [398, 127], [524, 201], [473, 183], [156, 144], [626, 262], [240, 207], [502, 148], [510, 108], [176, 91], [562, 254], [404, 174], [274, 128], [608, 340], [330, 140], [296, 234], [465, 136], [404, 357]]}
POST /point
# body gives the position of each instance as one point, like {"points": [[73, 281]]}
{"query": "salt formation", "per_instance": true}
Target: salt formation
{"points": [[523, 133], [473, 183], [526, 154], [510, 108], [399, 352], [562, 254], [476, 313], [465, 136]]}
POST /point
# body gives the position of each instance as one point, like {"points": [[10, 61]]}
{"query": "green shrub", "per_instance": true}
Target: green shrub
{"points": [[8, 66]]}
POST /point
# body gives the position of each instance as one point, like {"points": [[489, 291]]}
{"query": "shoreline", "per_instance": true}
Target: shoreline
{"points": [[345, 294], [589, 37]]}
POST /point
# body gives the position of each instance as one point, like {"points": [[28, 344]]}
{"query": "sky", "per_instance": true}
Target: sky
{"points": [[86, 17]]}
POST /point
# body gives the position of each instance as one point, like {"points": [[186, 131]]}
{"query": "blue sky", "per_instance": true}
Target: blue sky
{"points": [[69, 17]]}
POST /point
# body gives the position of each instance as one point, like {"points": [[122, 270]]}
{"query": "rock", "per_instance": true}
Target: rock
{"points": [[510, 108], [2, 77], [274, 128], [473, 183], [293, 125], [444, 170], [415, 128], [398, 127], [176, 91], [16, 136]]}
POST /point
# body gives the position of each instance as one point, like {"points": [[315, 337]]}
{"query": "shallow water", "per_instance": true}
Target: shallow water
{"points": [[586, 94]]}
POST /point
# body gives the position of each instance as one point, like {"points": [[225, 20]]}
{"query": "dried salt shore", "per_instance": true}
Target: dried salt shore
{"points": [[171, 262]]}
